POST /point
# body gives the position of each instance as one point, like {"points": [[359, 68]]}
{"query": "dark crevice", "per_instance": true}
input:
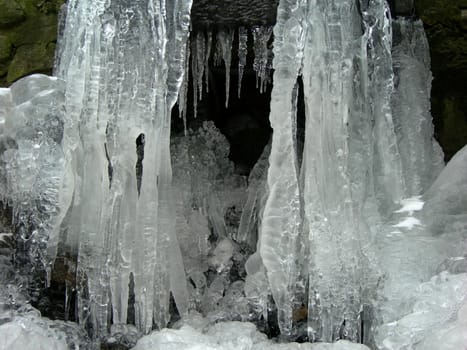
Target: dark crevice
{"points": [[131, 319], [109, 165], [139, 162], [301, 121]]}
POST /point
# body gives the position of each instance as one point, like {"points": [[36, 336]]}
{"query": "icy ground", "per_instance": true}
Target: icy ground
{"points": [[194, 335]]}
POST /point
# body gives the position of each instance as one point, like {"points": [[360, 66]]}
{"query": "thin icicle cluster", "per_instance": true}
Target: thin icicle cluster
{"points": [[220, 44]]}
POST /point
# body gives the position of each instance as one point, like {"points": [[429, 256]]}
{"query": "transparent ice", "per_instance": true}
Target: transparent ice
{"points": [[123, 64], [364, 233]]}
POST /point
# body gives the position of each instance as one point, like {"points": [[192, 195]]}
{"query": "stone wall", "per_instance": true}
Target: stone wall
{"points": [[28, 34]]}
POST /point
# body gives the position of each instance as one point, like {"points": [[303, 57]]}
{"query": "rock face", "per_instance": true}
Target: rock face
{"points": [[28, 33], [233, 13]]}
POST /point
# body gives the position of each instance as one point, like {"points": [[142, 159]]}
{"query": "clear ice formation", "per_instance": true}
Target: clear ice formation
{"points": [[365, 231], [242, 53], [28, 335], [355, 164], [32, 122], [123, 64], [199, 48], [195, 335], [262, 64]]}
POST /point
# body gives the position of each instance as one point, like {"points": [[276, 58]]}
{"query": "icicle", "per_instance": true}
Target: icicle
{"points": [[251, 212], [337, 164], [206, 61], [183, 94], [263, 55], [123, 75], [242, 52], [201, 58], [225, 38], [218, 52], [280, 229], [389, 179], [421, 157], [198, 47]]}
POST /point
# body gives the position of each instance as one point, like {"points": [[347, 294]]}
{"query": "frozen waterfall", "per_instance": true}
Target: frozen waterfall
{"points": [[353, 233]]}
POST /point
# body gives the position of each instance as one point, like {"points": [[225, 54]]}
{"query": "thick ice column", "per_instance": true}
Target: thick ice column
{"points": [[334, 189], [281, 218], [124, 64], [421, 155], [387, 165]]}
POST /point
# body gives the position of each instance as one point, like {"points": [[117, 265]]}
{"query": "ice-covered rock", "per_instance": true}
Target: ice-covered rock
{"points": [[24, 334], [425, 288], [222, 255], [435, 317], [446, 200], [32, 176]]}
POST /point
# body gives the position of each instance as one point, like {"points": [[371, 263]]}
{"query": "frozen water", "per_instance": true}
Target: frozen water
{"points": [[198, 64], [414, 315], [362, 230], [114, 229], [278, 239], [422, 158], [446, 199], [24, 334], [205, 188], [197, 58], [250, 221], [242, 52], [226, 336], [225, 40], [263, 55], [409, 205], [33, 116], [436, 318]]}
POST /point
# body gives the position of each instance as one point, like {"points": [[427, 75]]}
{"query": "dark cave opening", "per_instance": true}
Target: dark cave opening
{"points": [[245, 121]]}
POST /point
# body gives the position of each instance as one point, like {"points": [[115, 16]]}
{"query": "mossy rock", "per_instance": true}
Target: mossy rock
{"points": [[40, 29], [37, 58], [6, 48], [446, 29], [40, 6], [11, 13]]}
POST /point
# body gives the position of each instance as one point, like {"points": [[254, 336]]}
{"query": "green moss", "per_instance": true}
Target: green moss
{"points": [[41, 29], [28, 33], [37, 58], [11, 13], [447, 32], [6, 48]]}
